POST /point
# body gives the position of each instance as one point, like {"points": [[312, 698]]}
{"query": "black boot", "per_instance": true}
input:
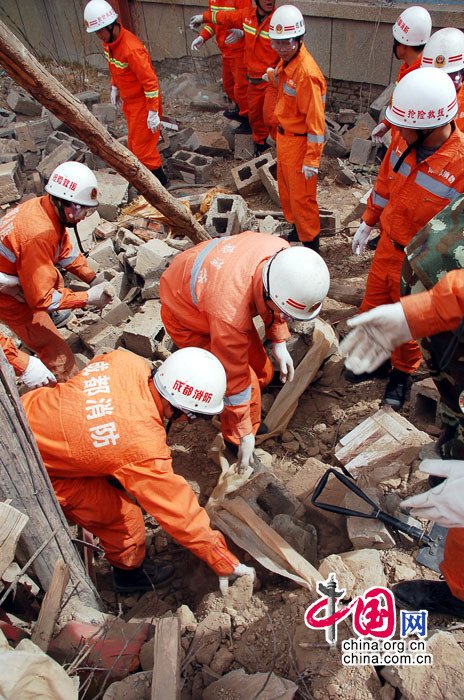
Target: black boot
{"points": [[260, 148], [395, 392], [379, 373], [233, 113], [314, 244], [143, 578], [434, 596], [161, 175], [244, 127], [292, 237]]}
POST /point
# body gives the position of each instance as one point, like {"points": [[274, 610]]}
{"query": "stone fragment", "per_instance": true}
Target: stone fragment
{"points": [[23, 104], [366, 567], [152, 258], [61, 154], [103, 254], [211, 143], [209, 634], [140, 334], [334, 564], [362, 152], [112, 193], [11, 185]]}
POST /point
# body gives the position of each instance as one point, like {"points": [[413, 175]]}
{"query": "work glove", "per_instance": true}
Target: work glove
{"points": [[375, 335], [233, 35], [379, 132], [444, 504], [195, 22], [10, 285], [36, 374], [197, 43], [308, 171], [284, 361], [114, 98], [153, 121], [100, 295], [360, 239], [245, 452], [240, 570]]}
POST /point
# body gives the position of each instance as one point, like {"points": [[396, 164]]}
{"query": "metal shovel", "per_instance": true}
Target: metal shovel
{"points": [[431, 553]]}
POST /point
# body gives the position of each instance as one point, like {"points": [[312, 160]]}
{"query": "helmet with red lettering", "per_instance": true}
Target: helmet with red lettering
{"points": [[423, 99], [297, 281], [75, 183], [286, 23], [445, 50], [193, 380], [97, 15], [413, 27]]}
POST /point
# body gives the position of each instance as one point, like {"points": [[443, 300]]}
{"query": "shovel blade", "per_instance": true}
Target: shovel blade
{"points": [[431, 555]]}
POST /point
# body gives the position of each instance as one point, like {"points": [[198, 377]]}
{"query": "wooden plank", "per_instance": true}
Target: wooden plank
{"points": [[43, 628], [166, 669], [12, 522]]}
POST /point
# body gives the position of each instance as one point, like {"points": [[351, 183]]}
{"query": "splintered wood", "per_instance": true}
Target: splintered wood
{"points": [[386, 433]]}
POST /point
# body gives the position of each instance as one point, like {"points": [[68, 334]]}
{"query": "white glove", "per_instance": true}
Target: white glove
{"points": [[379, 132], [233, 35], [245, 452], [153, 121], [197, 43], [114, 97], [444, 504], [376, 334], [240, 570], [308, 171], [10, 285], [284, 361], [100, 295], [36, 374], [195, 21], [360, 239]]}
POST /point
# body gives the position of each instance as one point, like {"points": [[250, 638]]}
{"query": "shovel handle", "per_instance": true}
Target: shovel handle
{"points": [[398, 524]]}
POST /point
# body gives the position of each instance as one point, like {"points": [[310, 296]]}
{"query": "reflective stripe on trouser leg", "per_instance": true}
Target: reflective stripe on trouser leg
{"points": [[38, 332], [297, 195], [452, 566], [140, 139], [383, 287], [107, 513]]}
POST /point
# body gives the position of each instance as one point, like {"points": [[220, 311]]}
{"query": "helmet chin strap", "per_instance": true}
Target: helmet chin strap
{"points": [[111, 28], [60, 205]]}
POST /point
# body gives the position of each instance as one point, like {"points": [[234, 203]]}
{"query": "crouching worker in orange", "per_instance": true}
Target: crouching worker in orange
{"points": [[33, 244], [134, 83], [300, 133], [209, 297], [108, 421], [30, 370]]}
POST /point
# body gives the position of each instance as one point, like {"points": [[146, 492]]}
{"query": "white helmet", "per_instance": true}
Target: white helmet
{"points": [[73, 182], [192, 379], [413, 27], [297, 281], [97, 15], [286, 23], [423, 99], [445, 50]]}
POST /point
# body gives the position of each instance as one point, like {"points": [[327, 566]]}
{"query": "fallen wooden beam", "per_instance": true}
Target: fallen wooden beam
{"points": [[43, 629], [12, 523], [166, 670]]}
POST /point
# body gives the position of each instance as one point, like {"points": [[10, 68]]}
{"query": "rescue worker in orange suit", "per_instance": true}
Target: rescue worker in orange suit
{"points": [[422, 172], [376, 333], [134, 84], [300, 132], [411, 32], [261, 96], [33, 244], [445, 50], [29, 370], [108, 421], [232, 46], [209, 297]]}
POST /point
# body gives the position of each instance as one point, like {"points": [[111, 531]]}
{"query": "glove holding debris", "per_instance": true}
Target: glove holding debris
{"points": [[114, 98], [308, 171], [375, 335], [233, 35], [153, 121], [284, 361], [195, 22], [245, 452], [100, 295], [360, 238], [379, 132], [444, 504], [197, 43], [36, 374], [10, 285], [240, 570]]}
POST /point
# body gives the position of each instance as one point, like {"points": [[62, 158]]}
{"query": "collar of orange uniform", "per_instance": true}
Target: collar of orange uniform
{"points": [[290, 68], [49, 209], [405, 69], [114, 44], [261, 306], [439, 160]]}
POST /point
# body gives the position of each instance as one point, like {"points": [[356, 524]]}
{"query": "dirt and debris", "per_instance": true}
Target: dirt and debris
{"points": [[246, 644]]}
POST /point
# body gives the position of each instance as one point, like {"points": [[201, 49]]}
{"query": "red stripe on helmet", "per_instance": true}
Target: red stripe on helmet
{"points": [[295, 304]]}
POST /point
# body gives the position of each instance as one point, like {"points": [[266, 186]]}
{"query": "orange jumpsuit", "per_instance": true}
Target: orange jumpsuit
{"points": [[17, 359], [427, 313], [234, 80], [261, 95], [209, 297], [108, 421], [32, 242], [300, 138], [402, 203], [133, 74]]}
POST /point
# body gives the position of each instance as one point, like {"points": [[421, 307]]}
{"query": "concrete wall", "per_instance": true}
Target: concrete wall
{"points": [[351, 41]]}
